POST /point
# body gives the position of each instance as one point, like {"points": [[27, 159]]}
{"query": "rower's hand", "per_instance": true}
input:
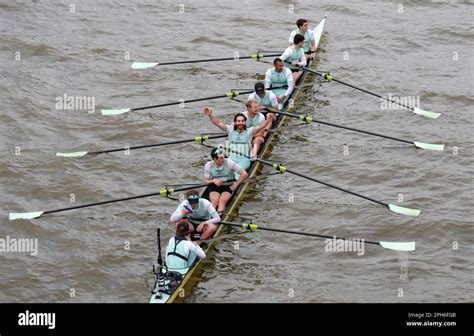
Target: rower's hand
{"points": [[270, 116], [281, 99], [261, 107], [208, 111], [233, 187], [185, 212], [294, 63], [217, 182]]}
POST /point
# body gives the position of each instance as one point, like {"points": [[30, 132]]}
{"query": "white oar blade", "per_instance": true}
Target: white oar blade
{"points": [[425, 145], [400, 246], [404, 211], [143, 65], [115, 112], [24, 215], [428, 114], [71, 154], [318, 32]]}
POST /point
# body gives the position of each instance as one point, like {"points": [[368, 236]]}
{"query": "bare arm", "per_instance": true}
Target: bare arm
{"points": [[215, 181], [237, 169], [216, 121], [264, 124], [242, 178]]}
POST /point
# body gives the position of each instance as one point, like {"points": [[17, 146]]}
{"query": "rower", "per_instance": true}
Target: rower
{"points": [[308, 45], [216, 173], [181, 252], [197, 208], [277, 77], [295, 57], [264, 98], [253, 119], [239, 136]]}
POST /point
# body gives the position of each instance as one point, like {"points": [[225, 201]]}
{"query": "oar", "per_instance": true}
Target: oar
{"points": [[257, 56], [199, 139], [329, 77], [37, 214], [230, 94], [391, 207], [397, 246], [422, 145], [282, 169]]}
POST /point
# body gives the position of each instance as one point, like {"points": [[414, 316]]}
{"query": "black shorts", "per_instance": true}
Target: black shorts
{"points": [[221, 189], [295, 70]]}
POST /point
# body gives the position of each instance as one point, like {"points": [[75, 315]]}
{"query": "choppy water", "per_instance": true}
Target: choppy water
{"points": [[104, 254]]}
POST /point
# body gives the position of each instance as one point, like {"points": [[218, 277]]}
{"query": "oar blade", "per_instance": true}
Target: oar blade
{"points": [[404, 211], [428, 114], [424, 145], [398, 246], [115, 112], [72, 154], [318, 32], [143, 65], [24, 215]]}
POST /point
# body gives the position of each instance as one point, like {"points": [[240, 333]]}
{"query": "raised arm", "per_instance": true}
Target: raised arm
{"points": [[216, 121]]}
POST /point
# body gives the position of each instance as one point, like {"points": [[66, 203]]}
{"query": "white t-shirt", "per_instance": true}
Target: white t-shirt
{"points": [[177, 215]]}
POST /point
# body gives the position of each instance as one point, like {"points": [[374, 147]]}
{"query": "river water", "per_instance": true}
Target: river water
{"points": [[414, 49]]}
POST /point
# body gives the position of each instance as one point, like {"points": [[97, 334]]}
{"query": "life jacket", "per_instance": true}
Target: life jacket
{"points": [[176, 258]]}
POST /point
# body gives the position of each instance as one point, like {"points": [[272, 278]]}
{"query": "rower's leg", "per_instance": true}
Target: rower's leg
{"points": [[257, 141], [225, 196], [214, 198], [208, 231], [296, 76]]}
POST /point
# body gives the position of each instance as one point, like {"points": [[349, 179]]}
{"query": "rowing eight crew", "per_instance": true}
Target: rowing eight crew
{"points": [[247, 131]]}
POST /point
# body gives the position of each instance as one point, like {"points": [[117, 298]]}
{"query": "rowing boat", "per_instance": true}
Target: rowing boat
{"points": [[172, 285]]}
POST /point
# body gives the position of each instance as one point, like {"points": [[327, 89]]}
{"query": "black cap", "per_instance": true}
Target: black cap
{"points": [[259, 87]]}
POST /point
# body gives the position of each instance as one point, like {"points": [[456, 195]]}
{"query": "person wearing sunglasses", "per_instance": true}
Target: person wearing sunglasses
{"points": [[198, 209]]}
